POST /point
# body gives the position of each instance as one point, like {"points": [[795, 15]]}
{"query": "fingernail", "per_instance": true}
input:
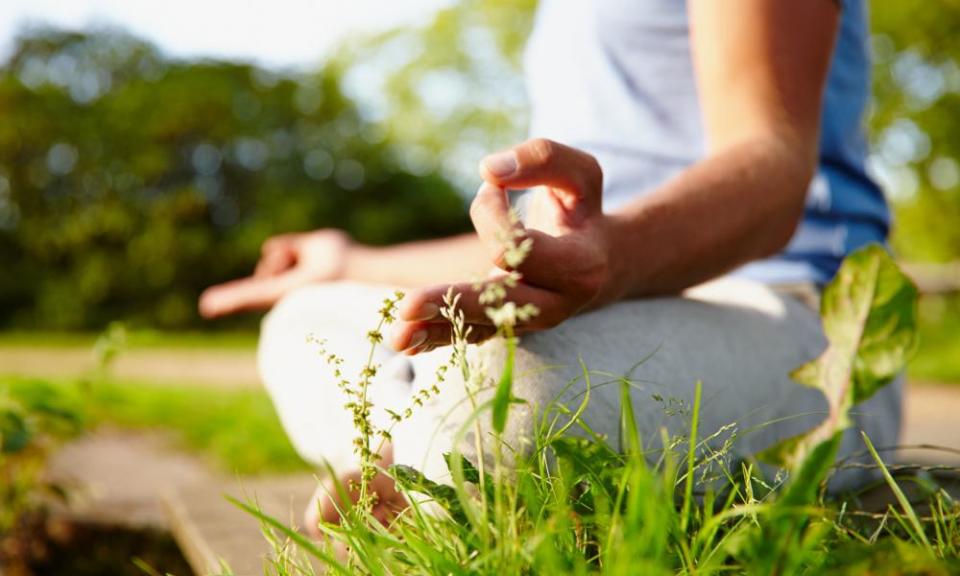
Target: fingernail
{"points": [[427, 311], [418, 338], [501, 164]]}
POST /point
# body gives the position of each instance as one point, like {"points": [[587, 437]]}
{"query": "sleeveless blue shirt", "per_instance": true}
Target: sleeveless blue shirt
{"points": [[615, 78]]}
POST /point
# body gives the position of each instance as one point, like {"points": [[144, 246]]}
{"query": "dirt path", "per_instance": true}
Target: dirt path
{"points": [[931, 416], [137, 480], [930, 412], [211, 367], [118, 476]]}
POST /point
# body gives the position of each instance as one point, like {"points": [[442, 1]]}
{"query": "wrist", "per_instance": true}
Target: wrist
{"points": [[357, 261], [620, 266]]}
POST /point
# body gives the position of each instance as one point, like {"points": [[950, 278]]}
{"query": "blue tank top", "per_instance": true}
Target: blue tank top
{"points": [[615, 78]]}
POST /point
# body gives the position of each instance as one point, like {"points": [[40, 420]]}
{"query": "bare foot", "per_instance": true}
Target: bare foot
{"points": [[326, 502]]}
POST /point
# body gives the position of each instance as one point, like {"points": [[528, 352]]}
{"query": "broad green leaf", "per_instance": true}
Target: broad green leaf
{"points": [[412, 480], [869, 319], [470, 472]]}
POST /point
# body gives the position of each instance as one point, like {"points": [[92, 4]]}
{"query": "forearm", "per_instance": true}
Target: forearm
{"points": [[737, 205], [421, 263], [761, 67]]}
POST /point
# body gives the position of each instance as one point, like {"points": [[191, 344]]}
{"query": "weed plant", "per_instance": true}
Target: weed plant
{"points": [[571, 504]]}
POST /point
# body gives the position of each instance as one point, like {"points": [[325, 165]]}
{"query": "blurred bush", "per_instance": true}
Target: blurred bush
{"points": [[130, 181]]}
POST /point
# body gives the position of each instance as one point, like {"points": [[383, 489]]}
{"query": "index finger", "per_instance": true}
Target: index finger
{"points": [[541, 162], [501, 234], [253, 293]]}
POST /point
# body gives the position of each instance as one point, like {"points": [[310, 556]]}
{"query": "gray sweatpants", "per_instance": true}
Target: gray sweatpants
{"points": [[739, 338]]}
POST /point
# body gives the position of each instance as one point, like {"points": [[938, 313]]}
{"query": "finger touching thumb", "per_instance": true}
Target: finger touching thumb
{"points": [[490, 213], [575, 174]]}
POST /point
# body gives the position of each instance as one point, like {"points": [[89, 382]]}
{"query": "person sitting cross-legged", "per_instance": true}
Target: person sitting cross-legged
{"points": [[697, 173]]}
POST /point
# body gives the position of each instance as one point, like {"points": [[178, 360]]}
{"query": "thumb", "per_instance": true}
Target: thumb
{"points": [[574, 175]]}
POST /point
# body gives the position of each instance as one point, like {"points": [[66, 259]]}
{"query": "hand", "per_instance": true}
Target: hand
{"points": [[569, 267], [287, 262]]}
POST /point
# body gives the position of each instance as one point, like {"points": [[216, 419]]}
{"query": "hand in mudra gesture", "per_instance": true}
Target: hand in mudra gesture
{"points": [[287, 262], [568, 268]]}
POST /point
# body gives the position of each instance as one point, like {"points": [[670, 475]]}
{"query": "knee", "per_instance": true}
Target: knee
{"points": [[283, 335], [340, 313], [289, 318], [548, 385], [458, 418]]}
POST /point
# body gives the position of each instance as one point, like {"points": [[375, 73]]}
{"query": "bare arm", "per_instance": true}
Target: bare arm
{"points": [[290, 261], [417, 264], [761, 69]]}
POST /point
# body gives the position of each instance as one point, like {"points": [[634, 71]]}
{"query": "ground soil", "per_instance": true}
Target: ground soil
{"points": [[56, 546]]}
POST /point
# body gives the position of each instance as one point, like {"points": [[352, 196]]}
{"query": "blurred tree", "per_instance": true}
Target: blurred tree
{"points": [[129, 181], [916, 122]]}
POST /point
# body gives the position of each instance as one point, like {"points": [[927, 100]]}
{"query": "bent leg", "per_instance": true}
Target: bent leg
{"points": [[738, 338], [302, 386]]}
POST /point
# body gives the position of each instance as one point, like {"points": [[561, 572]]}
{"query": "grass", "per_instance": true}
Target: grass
{"points": [[681, 504], [136, 339], [575, 506], [237, 430]]}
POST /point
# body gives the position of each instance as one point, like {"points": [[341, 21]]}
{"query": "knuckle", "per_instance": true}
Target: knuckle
{"points": [[590, 284], [593, 173], [542, 150], [477, 207]]}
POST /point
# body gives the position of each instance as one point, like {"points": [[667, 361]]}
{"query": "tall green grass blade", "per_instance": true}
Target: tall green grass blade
{"points": [[145, 567], [917, 528], [412, 480], [630, 441], [301, 540], [503, 395], [805, 482], [691, 457]]}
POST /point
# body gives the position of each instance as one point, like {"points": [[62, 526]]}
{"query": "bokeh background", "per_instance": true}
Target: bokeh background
{"points": [[148, 148], [145, 155]]}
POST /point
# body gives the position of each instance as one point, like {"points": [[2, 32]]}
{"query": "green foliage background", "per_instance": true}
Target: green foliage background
{"points": [[129, 181], [916, 120]]}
